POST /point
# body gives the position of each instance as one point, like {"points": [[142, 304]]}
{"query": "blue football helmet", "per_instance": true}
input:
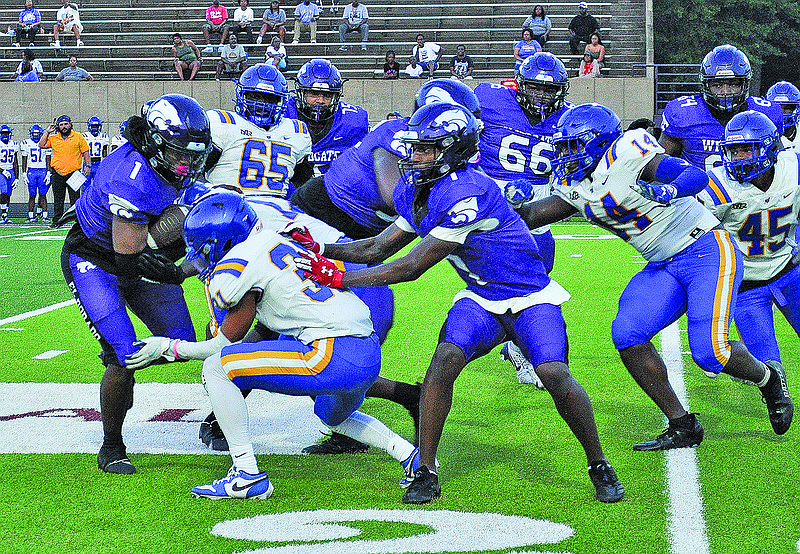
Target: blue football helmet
{"points": [[36, 132], [542, 84], [122, 126], [448, 91], [318, 75], [451, 129], [177, 138], [754, 133], [787, 96], [6, 133], [725, 63], [95, 125], [584, 133], [215, 224], [261, 94]]}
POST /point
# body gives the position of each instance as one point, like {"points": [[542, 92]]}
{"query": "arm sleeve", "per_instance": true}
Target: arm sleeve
{"points": [[201, 350], [686, 178]]}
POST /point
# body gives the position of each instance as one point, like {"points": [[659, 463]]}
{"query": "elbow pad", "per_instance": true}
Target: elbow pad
{"points": [[687, 179]]}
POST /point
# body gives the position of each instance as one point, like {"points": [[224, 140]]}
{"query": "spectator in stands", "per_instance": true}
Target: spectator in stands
{"points": [[27, 74], [306, 15], [276, 53], [70, 154], [187, 56], [233, 58], [216, 22], [391, 69], [394, 115], [581, 27], [73, 72], [539, 24], [243, 17], [596, 50], [588, 67], [461, 64], [30, 57], [274, 21], [524, 48], [427, 54], [354, 19], [413, 69], [67, 19], [30, 23]]}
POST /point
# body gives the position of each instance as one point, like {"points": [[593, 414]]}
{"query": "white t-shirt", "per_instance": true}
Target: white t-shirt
{"points": [[413, 71], [243, 16], [354, 16], [35, 64], [428, 52]]}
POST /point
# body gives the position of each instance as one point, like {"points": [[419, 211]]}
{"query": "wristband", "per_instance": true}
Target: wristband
{"points": [[175, 349]]}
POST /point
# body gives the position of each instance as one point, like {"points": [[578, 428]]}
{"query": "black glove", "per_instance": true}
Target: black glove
{"points": [[156, 267]]}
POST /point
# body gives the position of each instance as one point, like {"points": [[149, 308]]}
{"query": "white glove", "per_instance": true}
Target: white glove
{"points": [[14, 184], [6, 173], [24, 179], [47, 178], [656, 192], [259, 40], [152, 349]]}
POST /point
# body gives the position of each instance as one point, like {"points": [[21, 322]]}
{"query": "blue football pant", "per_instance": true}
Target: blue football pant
{"points": [[36, 183]]}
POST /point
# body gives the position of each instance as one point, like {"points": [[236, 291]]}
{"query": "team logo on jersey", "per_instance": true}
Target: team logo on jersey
{"points": [[739, 206], [465, 211], [83, 267]]}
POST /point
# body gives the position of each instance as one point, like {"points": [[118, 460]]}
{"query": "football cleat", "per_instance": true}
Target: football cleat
{"points": [[30, 220], [525, 372], [410, 467], [46, 220], [337, 444], [114, 459], [424, 488], [237, 484], [675, 436], [606, 485], [775, 395], [211, 434]]}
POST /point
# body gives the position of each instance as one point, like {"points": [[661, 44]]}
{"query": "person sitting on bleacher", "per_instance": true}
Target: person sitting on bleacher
{"points": [[30, 23], [243, 18], [427, 54], [581, 27], [306, 15], [274, 21], [216, 22], [73, 72], [233, 58], [67, 19], [187, 56]]}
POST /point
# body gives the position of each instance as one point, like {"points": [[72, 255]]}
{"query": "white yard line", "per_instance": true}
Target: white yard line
{"points": [[686, 522], [40, 311]]}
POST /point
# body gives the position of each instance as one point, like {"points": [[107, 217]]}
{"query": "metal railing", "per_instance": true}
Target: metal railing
{"points": [[671, 81]]}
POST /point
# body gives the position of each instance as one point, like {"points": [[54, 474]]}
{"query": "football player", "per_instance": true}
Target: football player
{"points": [[692, 126], [461, 215], [625, 183], [515, 147], [36, 171], [334, 125], [787, 96], [98, 144], [257, 148], [104, 258], [118, 140], [9, 169], [756, 197], [330, 350]]}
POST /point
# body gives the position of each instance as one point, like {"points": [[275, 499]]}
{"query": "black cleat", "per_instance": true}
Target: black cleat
{"points": [[211, 434], [337, 444], [114, 459], [775, 395], [424, 488], [606, 485], [675, 436]]}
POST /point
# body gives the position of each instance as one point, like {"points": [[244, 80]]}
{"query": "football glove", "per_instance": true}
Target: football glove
{"points": [[6, 173], [24, 178], [321, 270], [14, 184], [158, 268], [657, 192], [151, 350], [518, 192], [302, 236]]}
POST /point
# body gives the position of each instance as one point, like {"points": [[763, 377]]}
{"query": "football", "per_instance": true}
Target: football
{"points": [[166, 232]]}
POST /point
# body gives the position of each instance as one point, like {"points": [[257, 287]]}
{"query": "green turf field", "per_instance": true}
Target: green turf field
{"points": [[514, 479]]}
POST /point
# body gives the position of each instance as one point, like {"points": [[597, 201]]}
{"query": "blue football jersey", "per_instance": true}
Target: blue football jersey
{"points": [[688, 119], [511, 147], [497, 257], [126, 186], [350, 125], [351, 182]]}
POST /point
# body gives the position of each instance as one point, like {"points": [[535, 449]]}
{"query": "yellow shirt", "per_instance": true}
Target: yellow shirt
{"points": [[68, 152]]}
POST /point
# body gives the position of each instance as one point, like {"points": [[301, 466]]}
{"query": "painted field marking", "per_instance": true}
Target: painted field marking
{"points": [[49, 354], [38, 311], [42, 231], [686, 522]]}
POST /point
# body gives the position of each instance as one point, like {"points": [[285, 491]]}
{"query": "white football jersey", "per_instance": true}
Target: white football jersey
{"points": [[37, 157], [96, 144], [275, 213], [260, 161], [606, 199], [8, 153], [116, 142], [288, 303], [759, 221]]}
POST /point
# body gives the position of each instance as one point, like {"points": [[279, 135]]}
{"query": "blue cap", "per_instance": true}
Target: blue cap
{"points": [[63, 118]]}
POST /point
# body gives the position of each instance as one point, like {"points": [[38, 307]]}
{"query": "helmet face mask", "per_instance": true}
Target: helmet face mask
{"points": [[36, 132], [725, 78], [584, 134], [6, 133], [177, 138], [787, 96], [216, 223], [542, 84], [318, 88], [95, 125], [261, 94], [749, 146]]}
